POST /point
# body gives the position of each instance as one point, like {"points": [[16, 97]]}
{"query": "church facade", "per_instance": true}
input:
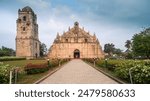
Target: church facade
{"points": [[27, 40], [76, 43]]}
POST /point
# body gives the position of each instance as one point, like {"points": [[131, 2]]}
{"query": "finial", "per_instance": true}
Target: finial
{"points": [[19, 10], [88, 32], [83, 28], [57, 34], [76, 24], [94, 35], [69, 28]]}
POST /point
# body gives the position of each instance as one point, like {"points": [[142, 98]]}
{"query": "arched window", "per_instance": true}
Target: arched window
{"points": [[86, 40], [24, 18], [36, 45], [24, 28], [66, 40]]}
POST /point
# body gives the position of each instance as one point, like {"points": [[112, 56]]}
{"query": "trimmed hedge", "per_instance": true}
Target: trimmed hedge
{"points": [[11, 58], [35, 68], [39, 68]]}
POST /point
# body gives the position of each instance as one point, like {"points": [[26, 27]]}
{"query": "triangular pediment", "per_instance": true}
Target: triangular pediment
{"points": [[75, 34], [76, 31]]}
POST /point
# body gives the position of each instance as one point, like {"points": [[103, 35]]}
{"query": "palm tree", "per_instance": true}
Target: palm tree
{"points": [[128, 44]]}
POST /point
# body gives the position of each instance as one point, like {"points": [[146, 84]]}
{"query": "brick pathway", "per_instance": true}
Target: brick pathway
{"points": [[78, 72]]}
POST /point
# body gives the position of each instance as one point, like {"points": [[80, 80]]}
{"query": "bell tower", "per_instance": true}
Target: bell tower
{"points": [[27, 40]]}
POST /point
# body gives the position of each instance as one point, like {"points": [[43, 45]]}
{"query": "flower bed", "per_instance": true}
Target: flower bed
{"points": [[39, 68], [35, 68]]}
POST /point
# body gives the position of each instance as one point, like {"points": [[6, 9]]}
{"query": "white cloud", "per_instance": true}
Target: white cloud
{"points": [[53, 19], [36, 3], [56, 25]]}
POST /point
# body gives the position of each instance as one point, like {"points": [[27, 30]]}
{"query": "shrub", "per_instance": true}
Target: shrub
{"points": [[122, 70], [35, 68], [109, 64], [139, 71], [4, 72], [11, 58], [55, 62], [39, 68]]}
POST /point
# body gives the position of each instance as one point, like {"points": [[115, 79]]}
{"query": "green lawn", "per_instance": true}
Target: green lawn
{"points": [[22, 63], [30, 79], [23, 78]]}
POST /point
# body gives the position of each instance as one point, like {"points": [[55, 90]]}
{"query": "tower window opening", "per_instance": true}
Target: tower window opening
{"points": [[86, 40], [24, 28], [19, 20], [24, 18], [36, 45]]}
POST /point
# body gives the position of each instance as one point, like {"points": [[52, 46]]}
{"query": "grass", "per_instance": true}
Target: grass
{"points": [[23, 78], [22, 63], [30, 79]]}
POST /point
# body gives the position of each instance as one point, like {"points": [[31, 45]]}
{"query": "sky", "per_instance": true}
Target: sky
{"points": [[113, 21]]}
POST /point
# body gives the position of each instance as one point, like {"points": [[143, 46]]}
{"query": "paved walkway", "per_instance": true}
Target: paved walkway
{"points": [[78, 72]]}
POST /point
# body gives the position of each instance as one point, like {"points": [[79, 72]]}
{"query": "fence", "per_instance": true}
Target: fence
{"points": [[13, 76]]}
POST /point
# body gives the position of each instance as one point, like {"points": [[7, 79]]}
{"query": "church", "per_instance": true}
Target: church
{"points": [[76, 43]]}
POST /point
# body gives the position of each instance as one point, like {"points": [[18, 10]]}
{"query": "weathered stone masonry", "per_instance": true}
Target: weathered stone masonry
{"points": [[27, 41], [76, 43]]}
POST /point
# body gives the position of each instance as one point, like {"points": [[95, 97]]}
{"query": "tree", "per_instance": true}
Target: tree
{"points": [[117, 51], [128, 52], [43, 49], [141, 44], [4, 51], [109, 48], [128, 44]]}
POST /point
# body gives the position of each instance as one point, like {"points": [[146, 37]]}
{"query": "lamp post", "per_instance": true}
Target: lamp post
{"points": [[95, 58], [94, 61], [106, 63], [48, 62], [59, 60]]}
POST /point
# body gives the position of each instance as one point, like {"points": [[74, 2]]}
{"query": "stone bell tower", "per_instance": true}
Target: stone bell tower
{"points": [[27, 40]]}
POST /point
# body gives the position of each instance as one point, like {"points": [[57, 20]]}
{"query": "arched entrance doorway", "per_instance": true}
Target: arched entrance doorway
{"points": [[76, 53]]}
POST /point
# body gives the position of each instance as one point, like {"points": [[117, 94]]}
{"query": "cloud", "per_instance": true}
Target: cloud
{"points": [[113, 21], [117, 11], [36, 3], [62, 16]]}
